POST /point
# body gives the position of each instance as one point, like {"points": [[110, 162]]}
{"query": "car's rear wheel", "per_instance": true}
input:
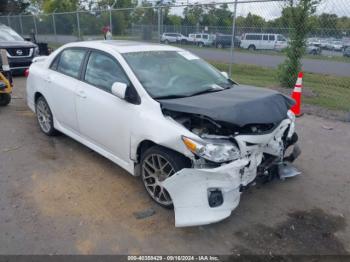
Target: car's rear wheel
{"points": [[5, 99], [44, 117], [200, 44], [166, 42], [157, 164], [252, 48]]}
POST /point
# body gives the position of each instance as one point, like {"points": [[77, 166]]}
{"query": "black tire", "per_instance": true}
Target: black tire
{"points": [[166, 41], [47, 128], [252, 48], [176, 162], [183, 42], [5, 99], [200, 44]]}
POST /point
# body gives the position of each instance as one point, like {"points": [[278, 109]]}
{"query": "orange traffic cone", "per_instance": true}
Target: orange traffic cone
{"points": [[296, 95]]}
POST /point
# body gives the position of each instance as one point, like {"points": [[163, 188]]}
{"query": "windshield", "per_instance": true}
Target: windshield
{"points": [[168, 74], [7, 34]]}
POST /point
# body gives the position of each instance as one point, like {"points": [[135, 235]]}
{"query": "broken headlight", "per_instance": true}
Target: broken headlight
{"points": [[291, 115], [218, 152]]}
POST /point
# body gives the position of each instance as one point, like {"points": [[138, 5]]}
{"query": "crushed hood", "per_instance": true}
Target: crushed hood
{"points": [[239, 105]]}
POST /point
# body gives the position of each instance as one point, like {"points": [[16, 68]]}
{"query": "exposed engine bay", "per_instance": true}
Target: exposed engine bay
{"points": [[209, 129], [263, 150], [240, 135]]}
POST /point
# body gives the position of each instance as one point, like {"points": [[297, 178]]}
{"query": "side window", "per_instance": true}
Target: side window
{"points": [[54, 64], [198, 36], [280, 38], [254, 37], [205, 36], [102, 71], [70, 62], [265, 37], [272, 37]]}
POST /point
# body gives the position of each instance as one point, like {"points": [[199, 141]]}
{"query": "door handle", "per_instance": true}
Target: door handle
{"points": [[81, 94]]}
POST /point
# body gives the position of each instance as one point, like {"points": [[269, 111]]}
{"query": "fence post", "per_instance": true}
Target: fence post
{"points": [[159, 37], [21, 24], [78, 25], [54, 26], [110, 20], [35, 26], [233, 37], [9, 21]]}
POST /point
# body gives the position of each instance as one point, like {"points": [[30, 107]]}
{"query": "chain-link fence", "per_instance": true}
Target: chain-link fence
{"points": [[259, 31]]}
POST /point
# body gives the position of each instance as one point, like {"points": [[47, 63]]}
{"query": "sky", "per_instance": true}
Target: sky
{"points": [[272, 10]]}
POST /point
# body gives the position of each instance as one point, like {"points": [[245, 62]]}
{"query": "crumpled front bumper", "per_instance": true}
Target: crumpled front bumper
{"points": [[191, 189]]}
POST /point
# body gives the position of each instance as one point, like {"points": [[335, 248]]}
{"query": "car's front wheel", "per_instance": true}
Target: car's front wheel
{"points": [[157, 164], [44, 117]]}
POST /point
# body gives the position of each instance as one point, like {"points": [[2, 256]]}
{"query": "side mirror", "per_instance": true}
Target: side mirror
{"points": [[225, 74], [119, 89]]}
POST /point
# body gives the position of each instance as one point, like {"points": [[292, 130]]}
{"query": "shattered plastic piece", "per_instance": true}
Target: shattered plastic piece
{"points": [[327, 127], [286, 170], [145, 213]]}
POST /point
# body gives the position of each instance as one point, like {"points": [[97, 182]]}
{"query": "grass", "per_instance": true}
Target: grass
{"points": [[326, 91]]}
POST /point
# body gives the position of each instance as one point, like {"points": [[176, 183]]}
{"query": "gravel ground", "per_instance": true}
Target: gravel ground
{"points": [[59, 197]]}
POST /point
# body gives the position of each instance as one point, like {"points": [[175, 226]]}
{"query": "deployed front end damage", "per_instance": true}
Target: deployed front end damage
{"points": [[208, 192]]}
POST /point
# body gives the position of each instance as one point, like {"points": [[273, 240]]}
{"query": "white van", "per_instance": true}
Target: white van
{"points": [[256, 41], [201, 39]]}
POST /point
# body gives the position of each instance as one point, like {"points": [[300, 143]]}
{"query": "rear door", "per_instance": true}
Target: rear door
{"points": [[63, 82], [105, 119]]}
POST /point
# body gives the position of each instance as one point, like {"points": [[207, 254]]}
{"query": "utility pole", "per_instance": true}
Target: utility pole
{"points": [[54, 25], [233, 37]]}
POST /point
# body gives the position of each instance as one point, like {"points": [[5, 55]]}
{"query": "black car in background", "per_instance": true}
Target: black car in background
{"points": [[222, 41], [20, 53], [346, 51]]}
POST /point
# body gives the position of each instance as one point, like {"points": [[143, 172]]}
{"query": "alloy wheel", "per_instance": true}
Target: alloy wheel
{"points": [[44, 116], [155, 169]]}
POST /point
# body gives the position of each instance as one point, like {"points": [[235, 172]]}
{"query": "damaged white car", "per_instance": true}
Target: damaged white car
{"points": [[196, 138]]}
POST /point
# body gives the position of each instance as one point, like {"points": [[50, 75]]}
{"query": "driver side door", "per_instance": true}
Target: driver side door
{"points": [[104, 119]]}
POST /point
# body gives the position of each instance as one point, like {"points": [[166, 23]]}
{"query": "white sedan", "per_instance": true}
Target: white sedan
{"points": [[196, 138]]}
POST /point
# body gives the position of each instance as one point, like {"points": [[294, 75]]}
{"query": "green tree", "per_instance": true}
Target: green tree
{"points": [[50, 6], [193, 15], [299, 24], [13, 7]]}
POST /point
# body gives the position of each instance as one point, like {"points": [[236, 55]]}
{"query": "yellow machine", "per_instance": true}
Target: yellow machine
{"points": [[5, 80], [5, 90]]}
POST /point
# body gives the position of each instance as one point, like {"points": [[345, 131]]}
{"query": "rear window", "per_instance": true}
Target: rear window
{"points": [[253, 37], [70, 62], [272, 37]]}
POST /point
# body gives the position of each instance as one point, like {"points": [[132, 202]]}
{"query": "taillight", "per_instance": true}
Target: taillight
{"points": [[26, 72]]}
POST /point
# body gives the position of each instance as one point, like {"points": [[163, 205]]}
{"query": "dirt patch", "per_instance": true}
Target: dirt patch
{"points": [[304, 232]]}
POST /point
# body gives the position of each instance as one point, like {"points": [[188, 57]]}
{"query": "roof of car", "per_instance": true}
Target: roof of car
{"points": [[124, 46]]}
